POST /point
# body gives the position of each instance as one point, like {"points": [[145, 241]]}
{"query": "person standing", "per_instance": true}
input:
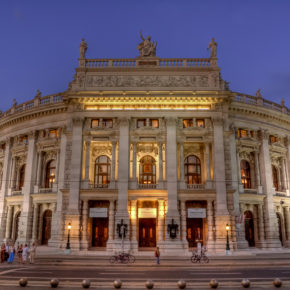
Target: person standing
{"points": [[32, 251], [11, 252], [157, 255], [3, 249], [25, 254], [19, 253]]}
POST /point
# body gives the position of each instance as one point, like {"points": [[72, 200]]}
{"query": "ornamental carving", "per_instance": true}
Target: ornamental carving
{"points": [[102, 150], [147, 149], [50, 155], [20, 160], [148, 81]]}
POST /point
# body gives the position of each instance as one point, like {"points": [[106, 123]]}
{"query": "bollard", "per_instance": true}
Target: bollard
{"points": [[117, 284], [54, 283], [277, 282], [86, 283], [181, 284], [213, 283], [149, 284], [246, 283], [23, 282]]}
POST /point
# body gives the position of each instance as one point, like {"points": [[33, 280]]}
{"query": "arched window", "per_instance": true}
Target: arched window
{"points": [[21, 177], [147, 170], [50, 174], [246, 174], [192, 170], [102, 171], [275, 177]]}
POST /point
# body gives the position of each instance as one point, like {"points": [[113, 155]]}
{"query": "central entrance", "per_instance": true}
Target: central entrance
{"points": [[194, 231], [147, 232], [100, 232]]}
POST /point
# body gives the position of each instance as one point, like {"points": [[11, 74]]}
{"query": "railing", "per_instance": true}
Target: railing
{"points": [[280, 193], [147, 186], [99, 185], [252, 100], [16, 192], [162, 62], [251, 190], [195, 186], [37, 102], [45, 190]]}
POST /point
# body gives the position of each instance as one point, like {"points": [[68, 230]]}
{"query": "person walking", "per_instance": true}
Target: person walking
{"points": [[3, 249], [32, 252], [19, 253], [11, 252], [25, 254], [157, 255]]}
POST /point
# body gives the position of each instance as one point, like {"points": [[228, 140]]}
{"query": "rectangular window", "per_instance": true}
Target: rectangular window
{"points": [[187, 123], [154, 123], [53, 133], [273, 139], [200, 123], [141, 123], [95, 123], [242, 133], [23, 139], [108, 123]]}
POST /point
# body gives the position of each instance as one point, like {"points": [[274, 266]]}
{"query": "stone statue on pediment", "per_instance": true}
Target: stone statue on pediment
{"points": [[213, 48], [38, 94], [258, 94], [147, 47], [83, 48]]}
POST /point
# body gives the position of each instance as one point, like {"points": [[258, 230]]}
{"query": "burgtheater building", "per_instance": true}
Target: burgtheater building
{"points": [[146, 152]]}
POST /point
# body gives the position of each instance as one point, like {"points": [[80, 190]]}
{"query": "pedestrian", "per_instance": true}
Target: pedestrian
{"points": [[11, 252], [3, 249], [25, 254], [19, 253], [157, 255], [32, 252], [7, 252]]}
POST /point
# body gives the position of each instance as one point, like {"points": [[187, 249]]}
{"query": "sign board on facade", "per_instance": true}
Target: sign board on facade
{"points": [[98, 212], [196, 213], [147, 212]]}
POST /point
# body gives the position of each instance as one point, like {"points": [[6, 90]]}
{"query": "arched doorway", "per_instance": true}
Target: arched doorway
{"points": [[16, 225], [249, 228], [46, 227], [280, 228]]}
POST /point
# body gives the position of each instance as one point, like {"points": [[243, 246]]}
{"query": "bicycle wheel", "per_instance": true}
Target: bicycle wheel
{"points": [[205, 259], [113, 259], [131, 259], [194, 259], [124, 259]]}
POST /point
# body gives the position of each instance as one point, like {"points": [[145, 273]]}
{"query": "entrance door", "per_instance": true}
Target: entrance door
{"points": [[46, 227], [100, 232], [147, 232], [17, 218], [280, 228], [194, 231], [249, 228]]}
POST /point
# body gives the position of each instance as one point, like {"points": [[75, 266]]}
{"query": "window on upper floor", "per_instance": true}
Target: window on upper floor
{"points": [[107, 123], [273, 139], [200, 123], [192, 170], [141, 123], [50, 174], [154, 123], [242, 133], [187, 123], [246, 174], [21, 177], [53, 133], [275, 177], [147, 170], [23, 139], [102, 171], [95, 123]]}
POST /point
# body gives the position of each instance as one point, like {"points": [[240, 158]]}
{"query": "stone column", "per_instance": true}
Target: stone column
{"points": [[85, 216], [9, 222], [210, 224], [134, 162], [25, 227], [287, 219], [261, 242], [182, 181], [207, 163], [113, 161], [35, 222], [240, 185], [134, 243], [160, 161], [111, 225], [123, 178], [87, 164], [257, 168], [285, 185], [160, 222], [55, 184], [39, 169], [271, 224], [183, 221], [256, 228], [13, 173]]}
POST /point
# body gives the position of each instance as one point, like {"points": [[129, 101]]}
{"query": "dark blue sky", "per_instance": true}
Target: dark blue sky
{"points": [[40, 40]]}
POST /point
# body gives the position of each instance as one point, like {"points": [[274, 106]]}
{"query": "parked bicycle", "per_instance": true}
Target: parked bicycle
{"points": [[123, 258], [200, 257]]}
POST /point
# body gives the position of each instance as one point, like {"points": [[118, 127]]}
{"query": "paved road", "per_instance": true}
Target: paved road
{"points": [[70, 276]]}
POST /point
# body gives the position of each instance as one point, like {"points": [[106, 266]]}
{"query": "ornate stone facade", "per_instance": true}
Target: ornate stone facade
{"points": [[159, 145]]}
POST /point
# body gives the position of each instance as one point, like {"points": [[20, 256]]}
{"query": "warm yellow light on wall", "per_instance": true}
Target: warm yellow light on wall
{"points": [[138, 107]]}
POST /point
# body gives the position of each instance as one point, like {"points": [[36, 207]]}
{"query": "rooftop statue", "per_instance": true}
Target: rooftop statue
{"points": [[38, 94], [147, 48], [258, 94], [213, 47], [83, 48]]}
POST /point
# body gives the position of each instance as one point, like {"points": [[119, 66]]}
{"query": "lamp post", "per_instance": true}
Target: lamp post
{"points": [[228, 243], [68, 238]]}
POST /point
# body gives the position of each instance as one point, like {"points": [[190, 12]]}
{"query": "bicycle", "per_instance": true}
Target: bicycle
{"points": [[200, 258], [123, 258]]}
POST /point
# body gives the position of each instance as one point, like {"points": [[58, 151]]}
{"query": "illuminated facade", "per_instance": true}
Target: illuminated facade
{"points": [[159, 147]]}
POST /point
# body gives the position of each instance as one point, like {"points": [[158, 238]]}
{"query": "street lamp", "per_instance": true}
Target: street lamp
{"points": [[228, 243], [68, 237]]}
